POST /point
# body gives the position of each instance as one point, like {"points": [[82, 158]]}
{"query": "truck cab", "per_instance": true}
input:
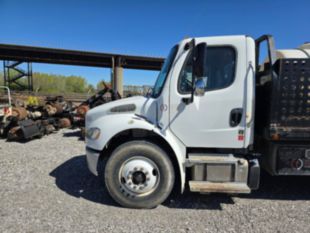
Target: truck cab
{"points": [[196, 127]]}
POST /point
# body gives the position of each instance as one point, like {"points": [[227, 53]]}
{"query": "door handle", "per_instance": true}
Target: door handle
{"points": [[235, 117]]}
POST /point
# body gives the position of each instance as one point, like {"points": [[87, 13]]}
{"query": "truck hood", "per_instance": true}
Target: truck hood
{"points": [[140, 105]]}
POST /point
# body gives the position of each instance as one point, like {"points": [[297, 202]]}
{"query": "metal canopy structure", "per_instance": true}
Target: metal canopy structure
{"points": [[13, 72], [76, 57], [116, 62]]}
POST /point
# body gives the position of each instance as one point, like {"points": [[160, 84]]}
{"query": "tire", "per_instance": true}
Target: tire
{"points": [[139, 174]]}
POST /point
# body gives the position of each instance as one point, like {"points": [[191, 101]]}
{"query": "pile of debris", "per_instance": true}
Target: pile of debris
{"points": [[26, 122], [34, 121]]}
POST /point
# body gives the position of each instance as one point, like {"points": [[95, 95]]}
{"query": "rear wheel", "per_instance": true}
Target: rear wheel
{"points": [[139, 174]]}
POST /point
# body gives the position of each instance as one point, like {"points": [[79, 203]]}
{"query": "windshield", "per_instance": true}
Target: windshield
{"points": [[164, 72]]}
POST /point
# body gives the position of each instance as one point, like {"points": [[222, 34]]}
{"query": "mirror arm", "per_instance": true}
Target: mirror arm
{"points": [[195, 55], [193, 89], [191, 100]]}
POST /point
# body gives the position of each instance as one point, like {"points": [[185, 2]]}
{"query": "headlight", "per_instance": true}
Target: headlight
{"points": [[93, 133]]}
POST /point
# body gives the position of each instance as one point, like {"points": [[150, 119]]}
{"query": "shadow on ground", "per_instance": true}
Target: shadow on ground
{"points": [[76, 133], [74, 178]]}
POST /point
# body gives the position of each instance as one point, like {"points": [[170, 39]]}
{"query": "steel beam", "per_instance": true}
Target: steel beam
{"points": [[75, 57]]}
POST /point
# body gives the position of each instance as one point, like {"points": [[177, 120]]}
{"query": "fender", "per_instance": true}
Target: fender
{"points": [[122, 122]]}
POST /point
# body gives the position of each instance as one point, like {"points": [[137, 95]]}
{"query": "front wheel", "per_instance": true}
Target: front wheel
{"points": [[139, 174]]}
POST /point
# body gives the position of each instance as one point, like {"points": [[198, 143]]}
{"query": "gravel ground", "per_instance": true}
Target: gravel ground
{"points": [[46, 187]]}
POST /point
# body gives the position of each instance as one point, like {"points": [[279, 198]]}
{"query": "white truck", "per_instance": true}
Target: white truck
{"points": [[214, 119]]}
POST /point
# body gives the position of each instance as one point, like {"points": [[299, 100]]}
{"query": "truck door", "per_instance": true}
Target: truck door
{"points": [[217, 119]]}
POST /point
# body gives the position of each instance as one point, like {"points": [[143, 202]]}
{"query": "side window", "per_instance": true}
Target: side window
{"points": [[221, 63]]}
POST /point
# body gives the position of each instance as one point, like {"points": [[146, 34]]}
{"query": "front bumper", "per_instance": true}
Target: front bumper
{"points": [[92, 157]]}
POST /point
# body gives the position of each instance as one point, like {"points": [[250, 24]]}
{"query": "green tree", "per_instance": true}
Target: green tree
{"points": [[91, 89], [100, 85], [54, 83], [76, 84], [1, 78]]}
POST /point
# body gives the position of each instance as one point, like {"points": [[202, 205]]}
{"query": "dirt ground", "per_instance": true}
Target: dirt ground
{"points": [[46, 187]]}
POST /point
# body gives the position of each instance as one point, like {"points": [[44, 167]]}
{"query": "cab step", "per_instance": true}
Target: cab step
{"points": [[214, 187], [196, 158]]}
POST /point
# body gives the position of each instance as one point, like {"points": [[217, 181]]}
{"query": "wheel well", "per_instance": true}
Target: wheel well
{"points": [[146, 135]]}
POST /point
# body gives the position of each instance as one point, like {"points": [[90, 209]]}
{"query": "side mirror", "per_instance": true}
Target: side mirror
{"points": [[199, 87], [199, 61], [199, 57]]}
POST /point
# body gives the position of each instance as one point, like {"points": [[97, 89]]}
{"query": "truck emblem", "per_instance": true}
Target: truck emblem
{"points": [[163, 107]]}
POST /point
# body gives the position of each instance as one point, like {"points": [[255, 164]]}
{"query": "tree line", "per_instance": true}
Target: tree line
{"points": [[54, 83], [57, 84]]}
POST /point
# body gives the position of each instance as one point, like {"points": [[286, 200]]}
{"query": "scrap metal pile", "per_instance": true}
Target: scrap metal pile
{"points": [[34, 121]]}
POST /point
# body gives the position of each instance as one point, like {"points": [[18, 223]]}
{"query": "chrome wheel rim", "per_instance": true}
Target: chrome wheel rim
{"points": [[138, 176]]}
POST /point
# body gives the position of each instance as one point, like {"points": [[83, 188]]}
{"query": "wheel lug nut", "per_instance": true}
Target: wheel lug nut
{"points": [[135, 169], [146, 173], [134, 187], [141, 187], [129, 183]]}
